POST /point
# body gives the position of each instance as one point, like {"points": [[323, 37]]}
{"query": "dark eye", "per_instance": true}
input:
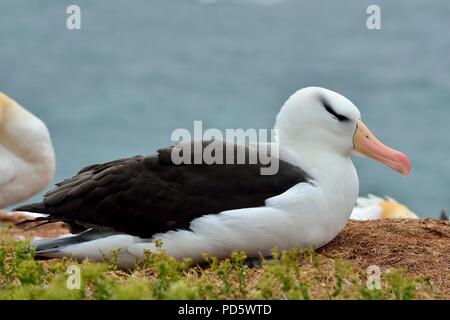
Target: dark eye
{"points": [[333, 113]]}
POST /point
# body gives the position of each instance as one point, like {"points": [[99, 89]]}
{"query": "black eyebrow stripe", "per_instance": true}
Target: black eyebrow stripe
{"points": [[331, 110]]}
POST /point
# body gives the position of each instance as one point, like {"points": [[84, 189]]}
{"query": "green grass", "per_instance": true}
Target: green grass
{"points": [[291, 275]]}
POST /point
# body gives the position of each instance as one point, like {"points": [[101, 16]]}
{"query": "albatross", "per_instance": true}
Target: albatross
{"points": [[27, 159], [192, 209]]}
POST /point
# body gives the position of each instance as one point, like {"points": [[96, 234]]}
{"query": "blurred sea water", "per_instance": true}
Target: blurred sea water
{"points": [[139, 69]]}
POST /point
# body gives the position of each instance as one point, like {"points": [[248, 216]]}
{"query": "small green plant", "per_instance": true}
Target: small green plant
{"points": [[400, 286]]}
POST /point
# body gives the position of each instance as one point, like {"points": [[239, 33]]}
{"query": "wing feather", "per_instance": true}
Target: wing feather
{"points": [[147, 195]]}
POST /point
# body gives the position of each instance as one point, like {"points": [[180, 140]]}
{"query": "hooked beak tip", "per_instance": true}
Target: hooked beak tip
{"points": [[404, 164]]}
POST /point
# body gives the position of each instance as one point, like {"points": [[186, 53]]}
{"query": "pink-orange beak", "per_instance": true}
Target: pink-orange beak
{"points": [[366, 144]]}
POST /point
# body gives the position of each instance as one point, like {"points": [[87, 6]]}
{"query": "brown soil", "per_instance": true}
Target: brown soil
{"points": [[421, 247]]}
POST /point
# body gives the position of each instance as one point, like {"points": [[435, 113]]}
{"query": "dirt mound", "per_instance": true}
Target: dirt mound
{"points": [[421, 247]]}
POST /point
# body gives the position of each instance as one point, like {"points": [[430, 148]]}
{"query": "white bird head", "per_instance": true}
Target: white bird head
{"points": [[320, 121]]}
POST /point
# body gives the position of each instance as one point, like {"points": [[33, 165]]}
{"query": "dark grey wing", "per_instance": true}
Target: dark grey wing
{"points": [[147, 195]]}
